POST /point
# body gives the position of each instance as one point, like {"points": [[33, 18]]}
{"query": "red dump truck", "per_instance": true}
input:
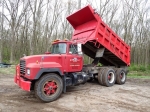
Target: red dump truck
{"points": [[49, 74]]}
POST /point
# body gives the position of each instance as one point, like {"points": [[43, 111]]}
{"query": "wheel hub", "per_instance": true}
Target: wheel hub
{"points": [[50, 88], [111, 77], [122, 76]]}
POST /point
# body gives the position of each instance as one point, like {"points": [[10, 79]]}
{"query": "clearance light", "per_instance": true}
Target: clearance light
{"points": [[56, 40], [37, 62], [65, 39]]}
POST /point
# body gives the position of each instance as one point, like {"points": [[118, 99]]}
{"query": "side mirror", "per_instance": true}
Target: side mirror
{"points": [[47, 53]]}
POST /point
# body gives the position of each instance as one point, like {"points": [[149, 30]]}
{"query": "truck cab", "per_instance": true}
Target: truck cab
{"points": [[70, 55], [64, 58]]}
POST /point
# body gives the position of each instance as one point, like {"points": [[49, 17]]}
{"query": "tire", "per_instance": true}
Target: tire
{"points": [[100, 76], [109, 77], [115, 69], [121, 76], [49, 87]]}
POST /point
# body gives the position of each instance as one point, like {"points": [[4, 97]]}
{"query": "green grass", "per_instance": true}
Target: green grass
{"points": [[138, 68], [135, 71], [135, 74], [7, 71], [139, 71], [139, 77]]}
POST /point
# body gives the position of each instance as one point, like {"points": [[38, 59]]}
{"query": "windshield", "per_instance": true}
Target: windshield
{"points": [[59, 48]]}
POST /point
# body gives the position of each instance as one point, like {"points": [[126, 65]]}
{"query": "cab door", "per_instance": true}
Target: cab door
{"points": [[75, 61]]}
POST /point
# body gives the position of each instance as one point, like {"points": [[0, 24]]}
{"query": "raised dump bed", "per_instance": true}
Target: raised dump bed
{"points": [[93, 33]]}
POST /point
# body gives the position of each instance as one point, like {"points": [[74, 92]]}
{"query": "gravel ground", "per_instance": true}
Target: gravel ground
{"points": [[133, 96]]}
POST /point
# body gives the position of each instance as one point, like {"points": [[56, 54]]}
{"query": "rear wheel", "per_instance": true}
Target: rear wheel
{"points": [[109, 77], [100, 76], [49, 87], [121, 76]]}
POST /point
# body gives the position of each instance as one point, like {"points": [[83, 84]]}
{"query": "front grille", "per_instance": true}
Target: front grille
{"points": [[22, 67]]}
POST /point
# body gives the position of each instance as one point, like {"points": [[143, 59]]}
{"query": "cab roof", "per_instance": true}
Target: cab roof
{"points": [[62, 41]]}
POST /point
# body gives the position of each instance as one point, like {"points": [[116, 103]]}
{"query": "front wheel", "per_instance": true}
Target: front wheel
{"points": [[49, 87]]}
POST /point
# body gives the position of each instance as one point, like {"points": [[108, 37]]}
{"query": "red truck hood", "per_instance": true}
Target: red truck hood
{"points": [[39, 56], [36, 62], [43, 59]]}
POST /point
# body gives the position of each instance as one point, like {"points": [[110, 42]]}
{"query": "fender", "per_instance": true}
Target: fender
{"points": [[48, 70]]}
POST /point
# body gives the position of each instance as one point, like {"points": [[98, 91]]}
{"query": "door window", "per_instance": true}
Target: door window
{"points": [[73, 49]]}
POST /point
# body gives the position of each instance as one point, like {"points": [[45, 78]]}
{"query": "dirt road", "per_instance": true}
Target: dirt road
{"points": [[134, 96]]}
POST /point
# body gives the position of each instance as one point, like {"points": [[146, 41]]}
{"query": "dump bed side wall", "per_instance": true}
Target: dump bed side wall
{"points": [[106, 37], [93, 33]]}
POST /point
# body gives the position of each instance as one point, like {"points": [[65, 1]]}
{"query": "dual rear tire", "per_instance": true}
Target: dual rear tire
{"points": [[121, 76], [108, 77]]}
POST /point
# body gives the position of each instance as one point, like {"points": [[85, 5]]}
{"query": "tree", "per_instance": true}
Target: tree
{"points": [[14, 21], [1, 34]]}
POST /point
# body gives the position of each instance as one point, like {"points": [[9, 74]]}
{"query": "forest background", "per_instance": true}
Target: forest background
{"points": [[29, 26]]}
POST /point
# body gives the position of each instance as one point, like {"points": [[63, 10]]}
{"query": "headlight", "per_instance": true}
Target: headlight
{"points": [[28, 71]]}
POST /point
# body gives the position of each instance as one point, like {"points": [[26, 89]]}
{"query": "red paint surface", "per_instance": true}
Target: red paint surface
{"points": [[88, 25], [50, 88], [25, 85]]}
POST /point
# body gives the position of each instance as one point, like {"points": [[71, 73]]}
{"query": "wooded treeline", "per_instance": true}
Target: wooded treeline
{"points": [[29, 26]]}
